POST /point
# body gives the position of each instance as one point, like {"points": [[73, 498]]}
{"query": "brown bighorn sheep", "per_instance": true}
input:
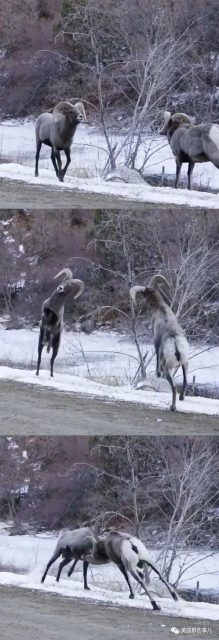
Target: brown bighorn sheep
{"points": [[57, 130], [52, 315], [170, 342], [130, 555], [73, 544], [191, 143]]}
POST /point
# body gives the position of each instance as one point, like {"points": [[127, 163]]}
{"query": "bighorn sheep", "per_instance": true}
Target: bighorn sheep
{"points": [[170, 342], [130, 555], [73, 544], [191, 143], [51, 323], [57, 130]]}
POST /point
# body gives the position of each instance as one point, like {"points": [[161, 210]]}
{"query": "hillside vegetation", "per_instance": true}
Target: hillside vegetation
{"points": [[123, 58]]}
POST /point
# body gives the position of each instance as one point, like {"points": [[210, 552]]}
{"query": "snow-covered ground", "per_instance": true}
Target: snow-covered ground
{"points": [[89, 152], [109, 193], [23, 559], [103, 364], [84, 176]]}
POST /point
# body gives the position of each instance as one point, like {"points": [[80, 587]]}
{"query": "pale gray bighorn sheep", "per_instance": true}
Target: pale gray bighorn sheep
{"points": [[57, 130], [73, 544], [171, 345], [52, 315], [130, 555], [191, 143]]}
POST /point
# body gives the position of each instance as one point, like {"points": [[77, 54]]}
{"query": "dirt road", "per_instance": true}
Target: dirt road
{"points": [[26, 409], [30, 615]]}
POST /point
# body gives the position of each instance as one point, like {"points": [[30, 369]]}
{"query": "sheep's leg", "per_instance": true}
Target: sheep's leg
{"points": [[53, 158], [122, 568], [66, 560], [169, 586], [158, 371], [72, 568], [68, 156], [39, 145], [184, 387], [141, 582], [55, 348], [85, 568], [59, 163], [178, 169], [170, 380], [51, 561], [40, 348], [190, 170]]}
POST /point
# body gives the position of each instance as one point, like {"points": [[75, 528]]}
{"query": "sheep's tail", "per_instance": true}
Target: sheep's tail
{"points": [[176, 351]]}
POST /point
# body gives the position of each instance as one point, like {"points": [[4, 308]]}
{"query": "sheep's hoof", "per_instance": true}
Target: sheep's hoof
{"points": [[174, 596], [61, 178], [37, 373], [155, 606], [131, 596], [87, 588], [181, 397], [172, 408], [158, 374]]}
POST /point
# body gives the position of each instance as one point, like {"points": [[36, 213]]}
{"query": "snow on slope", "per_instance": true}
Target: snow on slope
{"points": [[89, 152], [105, 370], [74, 384], [162, 196], [28, 555]]}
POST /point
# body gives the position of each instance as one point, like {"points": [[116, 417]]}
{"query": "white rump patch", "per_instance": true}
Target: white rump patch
{"points": [[214, 134], [170, 351]]}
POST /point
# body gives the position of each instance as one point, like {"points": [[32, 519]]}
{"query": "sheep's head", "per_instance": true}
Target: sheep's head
{"points": [[75, 113], [80, 110], [69, 284], [151, 292], [98, 554], [175, 120]]}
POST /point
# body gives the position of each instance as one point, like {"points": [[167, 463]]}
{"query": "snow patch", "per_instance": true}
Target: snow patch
{"points": [[103, 364]]}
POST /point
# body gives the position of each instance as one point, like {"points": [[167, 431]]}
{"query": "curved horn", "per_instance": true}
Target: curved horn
{"points": [[167, 116], [80, 284], [133, 292], [67, 272], [156, 280], [180, 118]]}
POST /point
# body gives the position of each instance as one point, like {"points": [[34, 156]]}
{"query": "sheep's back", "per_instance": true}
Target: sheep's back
{"points": [[188, 140], [43, 125]]}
